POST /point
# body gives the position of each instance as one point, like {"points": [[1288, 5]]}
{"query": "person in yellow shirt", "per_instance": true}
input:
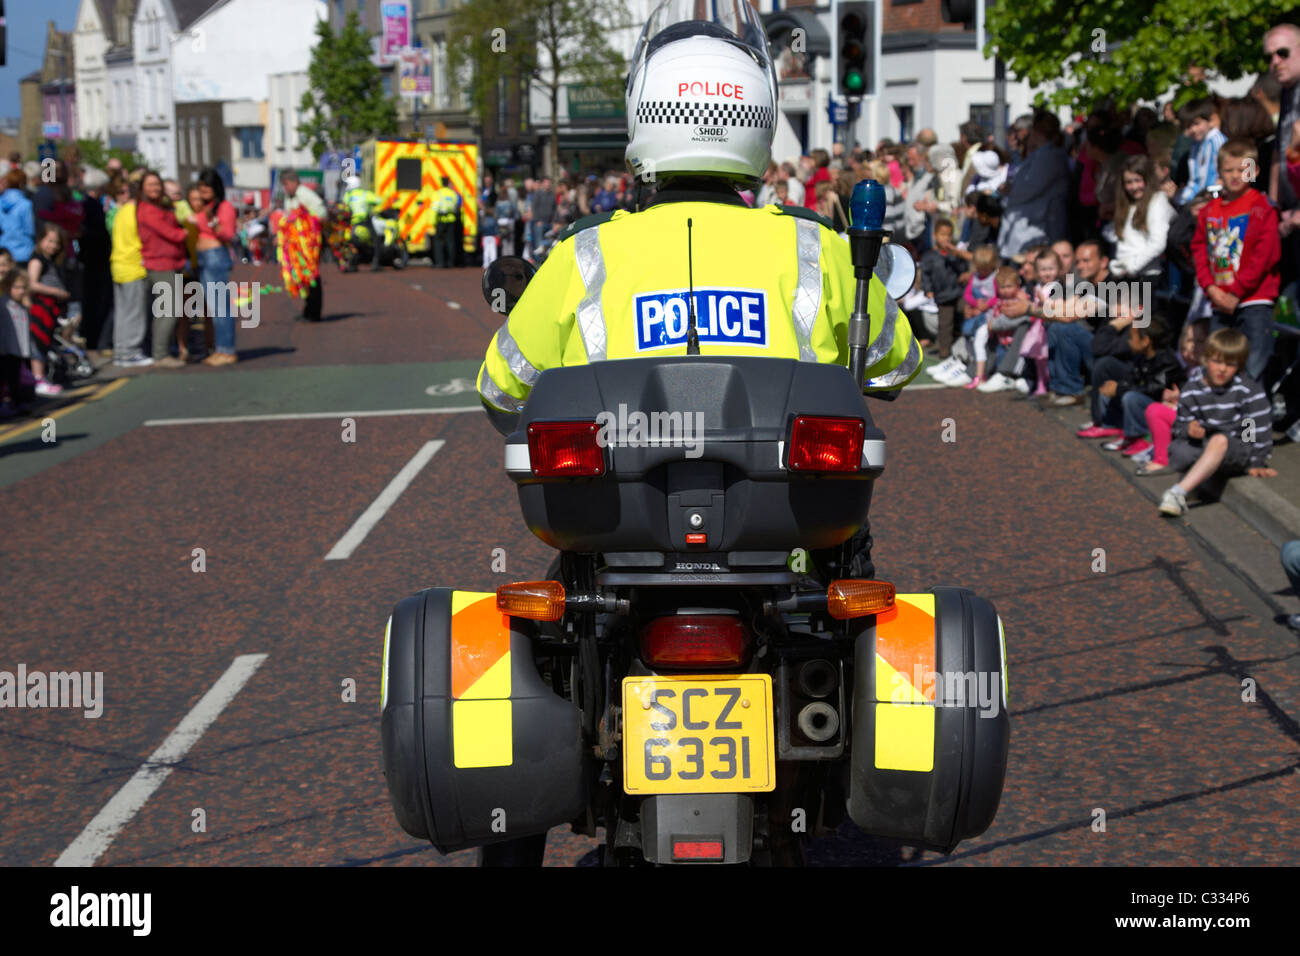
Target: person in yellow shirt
{"points": [[130, 304]]}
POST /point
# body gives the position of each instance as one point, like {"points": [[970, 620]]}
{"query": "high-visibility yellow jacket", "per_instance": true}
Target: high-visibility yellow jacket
{"points": [[773, 281], [445, 202], [360, 202]]}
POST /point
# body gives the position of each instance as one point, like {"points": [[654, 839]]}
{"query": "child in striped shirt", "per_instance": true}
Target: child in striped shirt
{"points": [[1224, 424]]}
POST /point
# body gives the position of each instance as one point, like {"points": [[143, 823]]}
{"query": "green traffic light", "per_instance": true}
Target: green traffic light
{"points": [[853, 81]]}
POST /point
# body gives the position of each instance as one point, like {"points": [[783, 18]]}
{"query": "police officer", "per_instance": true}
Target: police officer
{"points": [[446, 206], [361, 204], [701, 108]]}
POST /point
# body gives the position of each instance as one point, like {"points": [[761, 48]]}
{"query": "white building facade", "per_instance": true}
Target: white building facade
{"points": [[251, 56], [154, 27], [91, 40]]}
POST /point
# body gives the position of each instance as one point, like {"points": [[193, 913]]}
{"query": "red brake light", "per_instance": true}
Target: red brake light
{"points": [[565, 450], [826, 444], [697, 850], [704, 641]]}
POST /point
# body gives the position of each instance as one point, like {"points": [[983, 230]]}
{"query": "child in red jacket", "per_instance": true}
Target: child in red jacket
{"points": [[1237, 250]]}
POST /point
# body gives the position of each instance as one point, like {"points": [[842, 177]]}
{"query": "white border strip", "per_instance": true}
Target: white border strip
{"points": [[100, 832], [379, 507], [295, 416]]}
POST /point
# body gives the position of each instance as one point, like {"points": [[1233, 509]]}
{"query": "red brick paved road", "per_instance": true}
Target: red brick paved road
{"points": [[1125, 686]]}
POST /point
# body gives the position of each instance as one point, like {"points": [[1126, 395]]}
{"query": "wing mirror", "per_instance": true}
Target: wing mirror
{"points": [[504, 282], [896, 269]]}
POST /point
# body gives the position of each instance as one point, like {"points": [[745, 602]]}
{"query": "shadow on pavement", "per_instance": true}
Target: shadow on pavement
{"points": [[35, 444]]}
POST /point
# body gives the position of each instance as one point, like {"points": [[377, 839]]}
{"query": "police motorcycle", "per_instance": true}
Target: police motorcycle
{"points": [[360, 244], [699, 678]]}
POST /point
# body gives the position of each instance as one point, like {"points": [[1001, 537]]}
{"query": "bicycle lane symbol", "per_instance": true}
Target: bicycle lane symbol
{"points": [[454, 387]]}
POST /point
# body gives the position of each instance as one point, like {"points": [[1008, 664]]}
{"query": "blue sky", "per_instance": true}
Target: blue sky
{"points": [[25, 42]]}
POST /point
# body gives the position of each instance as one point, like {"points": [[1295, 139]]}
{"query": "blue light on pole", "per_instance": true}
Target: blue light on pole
{"points": [[867, 205]]}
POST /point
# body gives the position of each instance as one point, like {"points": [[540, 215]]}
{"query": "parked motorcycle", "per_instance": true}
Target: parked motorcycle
{"points": [[698, 676], [360, 247]]}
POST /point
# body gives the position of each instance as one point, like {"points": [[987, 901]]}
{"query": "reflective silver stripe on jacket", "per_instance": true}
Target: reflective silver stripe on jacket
{"points": [[808, 292], [591, 317], [520, 367], [885, 340], [901, 374], [494, 394]]}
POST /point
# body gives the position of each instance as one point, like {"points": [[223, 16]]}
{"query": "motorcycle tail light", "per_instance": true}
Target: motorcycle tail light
{"points": [[851, 598], [826, 444], [534, 600], [697, 850], [696, 642], [565, 450]]}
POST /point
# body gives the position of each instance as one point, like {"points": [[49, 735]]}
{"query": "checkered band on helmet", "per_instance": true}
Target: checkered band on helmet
{"points": [[704, 114]]}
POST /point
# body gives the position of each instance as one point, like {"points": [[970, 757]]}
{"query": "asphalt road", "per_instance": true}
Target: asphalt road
{"points": [[1126, 684]]}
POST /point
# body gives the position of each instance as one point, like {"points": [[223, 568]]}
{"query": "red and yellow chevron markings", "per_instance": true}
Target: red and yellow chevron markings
{"points": [[481, 712], [905, 684]]}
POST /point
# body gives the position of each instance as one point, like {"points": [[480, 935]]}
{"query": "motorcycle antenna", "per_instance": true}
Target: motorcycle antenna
{"points": [[692, 335]]}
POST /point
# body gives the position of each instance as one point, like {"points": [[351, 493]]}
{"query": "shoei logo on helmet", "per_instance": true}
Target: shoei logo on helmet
{"points": [[732, 91], [722, 316], [711, 132]]}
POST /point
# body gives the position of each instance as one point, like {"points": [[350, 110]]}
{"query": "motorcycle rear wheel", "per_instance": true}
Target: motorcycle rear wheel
{"points": [[523, 852]]}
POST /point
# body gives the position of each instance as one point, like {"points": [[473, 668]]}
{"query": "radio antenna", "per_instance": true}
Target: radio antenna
{"points": [[692, 335]]}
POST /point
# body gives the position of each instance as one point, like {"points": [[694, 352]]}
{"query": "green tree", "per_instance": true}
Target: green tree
{"points": [[345, 103], [548, 42], [1091, 53], [95, 155]]}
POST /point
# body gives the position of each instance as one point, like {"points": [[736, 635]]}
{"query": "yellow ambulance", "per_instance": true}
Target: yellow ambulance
{"points": [[412, 172]]}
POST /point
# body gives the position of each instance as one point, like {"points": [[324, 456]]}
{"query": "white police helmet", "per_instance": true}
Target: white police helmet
{"points": [[701, 94], [353, 182]]}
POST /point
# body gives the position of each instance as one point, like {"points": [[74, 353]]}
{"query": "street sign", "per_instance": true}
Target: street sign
{"points": [[52, 130], [836, 111], [46, 150]]}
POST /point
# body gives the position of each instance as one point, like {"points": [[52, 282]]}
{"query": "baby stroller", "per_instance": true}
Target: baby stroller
{"points": [[66, 362]]}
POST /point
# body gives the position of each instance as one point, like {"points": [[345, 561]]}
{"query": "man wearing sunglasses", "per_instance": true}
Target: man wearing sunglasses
{"points": [[1282, 50]]}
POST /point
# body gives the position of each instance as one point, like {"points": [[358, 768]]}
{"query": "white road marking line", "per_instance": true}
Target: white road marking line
{"points": [[295, 416], [370, 517], [915, 388], [453, 305], [100, 832]]}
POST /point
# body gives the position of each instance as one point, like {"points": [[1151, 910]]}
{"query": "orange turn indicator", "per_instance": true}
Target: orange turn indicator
{"points": [[534, 600], [849, 598]]}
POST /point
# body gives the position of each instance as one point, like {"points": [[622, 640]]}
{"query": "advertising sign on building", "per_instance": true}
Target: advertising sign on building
{"points": [[415, 72], [588, 101], [52, 130], [396, 36]]}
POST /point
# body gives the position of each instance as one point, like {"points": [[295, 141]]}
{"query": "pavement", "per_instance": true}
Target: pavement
{"points": [[203, 538]]}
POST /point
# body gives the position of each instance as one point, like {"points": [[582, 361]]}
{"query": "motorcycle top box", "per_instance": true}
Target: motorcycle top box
{"points": [[713, 454]]}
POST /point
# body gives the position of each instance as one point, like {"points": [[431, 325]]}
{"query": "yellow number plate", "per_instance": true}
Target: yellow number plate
{"points": [[698, 734]]}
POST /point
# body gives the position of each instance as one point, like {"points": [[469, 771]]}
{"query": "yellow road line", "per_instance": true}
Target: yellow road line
{"points": [[94, 395]]}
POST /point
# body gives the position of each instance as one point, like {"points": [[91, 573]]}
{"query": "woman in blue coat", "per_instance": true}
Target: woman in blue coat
{"points": [[17, 225]]}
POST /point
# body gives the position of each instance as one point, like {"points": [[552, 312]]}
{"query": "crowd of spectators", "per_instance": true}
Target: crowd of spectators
{"points": [[85, 257], [1142, 262]]}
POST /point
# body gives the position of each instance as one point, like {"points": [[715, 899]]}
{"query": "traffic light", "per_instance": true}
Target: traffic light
{"points": [[854, 42]]}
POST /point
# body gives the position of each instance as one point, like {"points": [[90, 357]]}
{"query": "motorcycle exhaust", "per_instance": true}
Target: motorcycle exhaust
{"points": [[818, 679], [819, 722]]}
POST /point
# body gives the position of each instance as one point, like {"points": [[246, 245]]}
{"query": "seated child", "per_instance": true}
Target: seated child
{"points": [[1154, 370], [1160, 415], [1224, 425], [980, 294], [1002, 328]]}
